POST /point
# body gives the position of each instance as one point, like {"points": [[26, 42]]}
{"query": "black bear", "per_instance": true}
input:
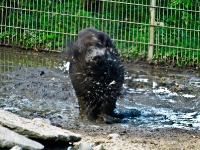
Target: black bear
{"points": [[96, 74]]}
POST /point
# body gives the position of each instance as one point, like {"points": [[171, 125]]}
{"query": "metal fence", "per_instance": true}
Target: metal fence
{"points": [[162, 30]]}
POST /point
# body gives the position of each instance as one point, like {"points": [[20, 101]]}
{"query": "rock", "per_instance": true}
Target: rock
{"points": [[42, 120], [114, 136], [99, 147], [84, 146], [16, 148], [8, 139], [36, 130]]}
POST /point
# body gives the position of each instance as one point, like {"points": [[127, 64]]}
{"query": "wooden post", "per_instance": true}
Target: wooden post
{"points": [[152, 23]]}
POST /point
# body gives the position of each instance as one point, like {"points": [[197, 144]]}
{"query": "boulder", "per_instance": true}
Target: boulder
{"points": [[36, 130], [16, 148], [8, 139], [42, 120]]}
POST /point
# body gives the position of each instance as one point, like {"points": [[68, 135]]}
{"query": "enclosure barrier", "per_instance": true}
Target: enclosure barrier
{"points": [[161, 30]]}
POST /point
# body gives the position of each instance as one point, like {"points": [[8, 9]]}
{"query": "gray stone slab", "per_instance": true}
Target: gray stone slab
{"points": [[9, 139], [35, 129], [16, 148]]}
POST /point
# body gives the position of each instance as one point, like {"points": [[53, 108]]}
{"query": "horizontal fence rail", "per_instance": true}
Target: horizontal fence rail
{"points": [[161, 30]]}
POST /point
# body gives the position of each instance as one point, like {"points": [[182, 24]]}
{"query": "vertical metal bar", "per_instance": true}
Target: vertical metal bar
{"points": [[56, 23], [120, 16], [130, 46], [106, 21], [78, 17], [151, 37], [138, 32], [71, 21], [198, 33], [9, 24], [31, 26], [63, 25], [37, 25], [182, 27], [157, 29], [118, 23], [12, 10], [115, 24], [110, 21], [2, 21], [17, 23], [179, 58], [163, 39], [134, 18]]}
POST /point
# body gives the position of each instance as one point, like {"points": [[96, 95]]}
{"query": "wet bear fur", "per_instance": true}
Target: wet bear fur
{"points": [[96, 74]]}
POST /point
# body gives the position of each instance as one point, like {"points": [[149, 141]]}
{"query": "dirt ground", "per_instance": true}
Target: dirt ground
{"points": [[144, 139], [131, 138]]}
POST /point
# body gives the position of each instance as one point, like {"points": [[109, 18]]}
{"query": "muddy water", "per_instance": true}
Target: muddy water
{"points": [[165, 98], [38, 86]]}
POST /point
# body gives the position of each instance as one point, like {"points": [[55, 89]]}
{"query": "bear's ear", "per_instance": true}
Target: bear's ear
{"points": [[105, 39]]}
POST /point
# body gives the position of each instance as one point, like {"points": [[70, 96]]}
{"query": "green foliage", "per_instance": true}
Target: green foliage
{"points": [[48, 24], [181, 31]]}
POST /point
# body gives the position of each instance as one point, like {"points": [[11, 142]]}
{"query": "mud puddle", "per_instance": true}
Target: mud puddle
{"points": [[165, 98]]}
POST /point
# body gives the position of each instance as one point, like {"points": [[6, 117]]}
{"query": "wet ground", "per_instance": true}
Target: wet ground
{"points": [[165, 98], [39, 86]]}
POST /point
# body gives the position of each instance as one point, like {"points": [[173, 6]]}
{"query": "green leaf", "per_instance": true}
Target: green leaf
{"points": [[50, 36]]}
